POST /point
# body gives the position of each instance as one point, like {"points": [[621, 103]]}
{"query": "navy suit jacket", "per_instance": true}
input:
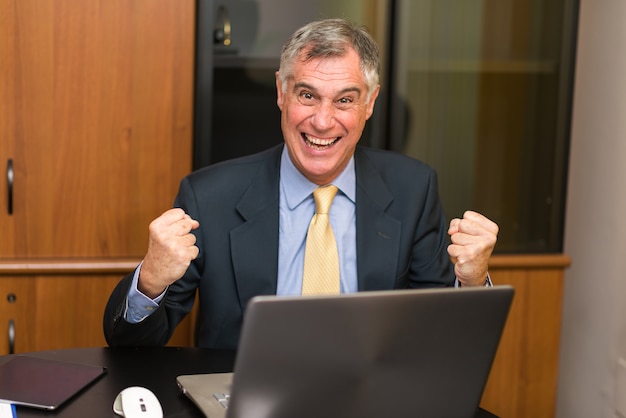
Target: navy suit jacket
{"points": [[401, 239]]}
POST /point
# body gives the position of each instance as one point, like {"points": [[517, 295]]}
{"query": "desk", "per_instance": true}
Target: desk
{"points": [[155, 368]]}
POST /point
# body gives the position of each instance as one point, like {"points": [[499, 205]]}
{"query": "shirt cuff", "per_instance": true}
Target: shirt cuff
{"points": [[138, 305], [488, 282]]}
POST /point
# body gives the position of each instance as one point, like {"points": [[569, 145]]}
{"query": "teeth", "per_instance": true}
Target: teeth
{"points": [[319, 141]]}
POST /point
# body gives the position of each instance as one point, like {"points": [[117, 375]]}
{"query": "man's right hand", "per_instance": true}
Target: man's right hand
{"points": [[171, 249]]}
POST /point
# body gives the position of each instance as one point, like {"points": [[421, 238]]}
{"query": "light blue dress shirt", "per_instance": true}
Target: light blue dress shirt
{"points": [[297, 207]]}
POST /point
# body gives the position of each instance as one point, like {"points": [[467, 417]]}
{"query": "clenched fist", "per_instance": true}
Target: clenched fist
{"points": [[171, 249], [473, 239]]}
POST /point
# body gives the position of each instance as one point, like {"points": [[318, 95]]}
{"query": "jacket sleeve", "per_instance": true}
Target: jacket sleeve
{"points": [[152, 331]]}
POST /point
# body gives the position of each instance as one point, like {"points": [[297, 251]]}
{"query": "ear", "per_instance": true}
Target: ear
{"points": [[279, 92], [370, 104]]}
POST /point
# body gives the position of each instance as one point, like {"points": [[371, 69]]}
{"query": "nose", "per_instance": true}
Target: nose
{"points": [[324, 116]]}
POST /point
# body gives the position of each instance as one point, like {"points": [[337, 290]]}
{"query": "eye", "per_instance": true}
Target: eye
{"points": [[345, 102], [306, 98]]}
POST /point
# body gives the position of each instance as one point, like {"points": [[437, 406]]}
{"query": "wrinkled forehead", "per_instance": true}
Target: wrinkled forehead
{"points": [[335, 68]]}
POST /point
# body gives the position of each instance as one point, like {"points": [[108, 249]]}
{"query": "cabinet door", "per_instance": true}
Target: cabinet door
{"points": [[53, 312], [96, 116], [16, 321]]}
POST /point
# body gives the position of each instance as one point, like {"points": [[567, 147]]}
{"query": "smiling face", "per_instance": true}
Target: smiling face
{"points": [[324, 109]]}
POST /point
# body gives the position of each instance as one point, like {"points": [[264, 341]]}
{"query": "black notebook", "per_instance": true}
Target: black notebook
{"points": [[43, 383]]}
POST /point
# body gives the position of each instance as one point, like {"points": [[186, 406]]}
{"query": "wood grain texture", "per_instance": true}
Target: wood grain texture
{"points": [[52, 312], [96, 103], [96, 113], [523, 380]]}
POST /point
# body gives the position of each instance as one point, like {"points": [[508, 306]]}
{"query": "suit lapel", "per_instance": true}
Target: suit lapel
{"points": [[377, 233], [254, 244]]}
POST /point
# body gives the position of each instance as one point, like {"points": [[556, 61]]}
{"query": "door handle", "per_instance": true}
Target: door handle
{"points": [[221, 35], [10, 186], [11, 336]]}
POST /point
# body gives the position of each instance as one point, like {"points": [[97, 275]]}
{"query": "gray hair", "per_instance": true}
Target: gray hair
{"points": [[331, 38]]}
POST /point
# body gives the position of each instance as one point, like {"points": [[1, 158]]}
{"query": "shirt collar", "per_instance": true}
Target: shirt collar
{"points": [[297, 187]]}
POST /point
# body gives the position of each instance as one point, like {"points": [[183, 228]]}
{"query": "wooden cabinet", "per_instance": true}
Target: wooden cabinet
{"points": [[523, 379], [52, 311], [16, 322], [96, 119], [56, 304], [96, 110]]}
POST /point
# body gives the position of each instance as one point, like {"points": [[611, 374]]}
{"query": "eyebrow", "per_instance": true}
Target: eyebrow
{"points": [[351, 89]]}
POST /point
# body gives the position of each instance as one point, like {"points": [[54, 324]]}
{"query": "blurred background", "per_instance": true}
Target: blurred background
{"points": [[479, 89]]}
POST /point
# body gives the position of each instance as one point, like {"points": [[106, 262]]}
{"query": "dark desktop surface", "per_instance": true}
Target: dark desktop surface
{"points": [[155, 368]]}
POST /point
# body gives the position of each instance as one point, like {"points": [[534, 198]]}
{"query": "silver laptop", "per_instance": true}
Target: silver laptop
{"points": [[401, 353]]}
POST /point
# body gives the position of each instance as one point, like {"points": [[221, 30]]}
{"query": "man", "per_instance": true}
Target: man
{"points": [[239, 228]]}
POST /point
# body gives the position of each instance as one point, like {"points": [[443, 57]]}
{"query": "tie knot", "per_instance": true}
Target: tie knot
{"points": [[324, 197]]}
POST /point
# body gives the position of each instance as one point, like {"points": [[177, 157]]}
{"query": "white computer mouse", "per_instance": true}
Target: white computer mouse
{"points": [[137, 402]]}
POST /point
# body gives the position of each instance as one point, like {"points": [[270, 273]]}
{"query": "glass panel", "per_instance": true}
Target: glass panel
{"points": [[483, 94]]}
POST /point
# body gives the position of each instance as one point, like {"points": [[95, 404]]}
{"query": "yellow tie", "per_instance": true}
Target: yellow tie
{"points": [[321, 260]]}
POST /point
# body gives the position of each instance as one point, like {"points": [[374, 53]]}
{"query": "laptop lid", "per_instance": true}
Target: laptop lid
{"points": [[42, 383], [405, 353]]}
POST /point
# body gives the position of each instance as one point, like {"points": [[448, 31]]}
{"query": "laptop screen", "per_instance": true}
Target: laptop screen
{"points": [[400, 353]]}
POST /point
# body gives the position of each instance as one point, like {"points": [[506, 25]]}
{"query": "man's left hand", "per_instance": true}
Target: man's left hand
{"points": [[473, 239]]}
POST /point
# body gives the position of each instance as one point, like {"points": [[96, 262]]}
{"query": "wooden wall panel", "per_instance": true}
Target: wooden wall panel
{"points": [[524, 376]]}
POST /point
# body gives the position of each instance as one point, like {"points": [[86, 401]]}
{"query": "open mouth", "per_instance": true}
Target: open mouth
{"points": [[319, 143]]}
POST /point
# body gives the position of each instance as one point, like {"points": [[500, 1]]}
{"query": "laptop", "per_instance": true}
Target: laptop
{"points": [[43, 383], [400, 353]]}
